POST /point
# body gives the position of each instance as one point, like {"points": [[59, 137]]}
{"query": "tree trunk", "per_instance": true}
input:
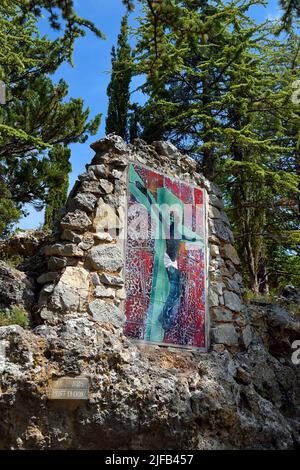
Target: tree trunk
{"points": [[262, 276]]}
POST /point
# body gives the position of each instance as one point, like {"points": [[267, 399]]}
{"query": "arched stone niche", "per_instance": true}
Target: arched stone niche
{"points": [[88, 257]]}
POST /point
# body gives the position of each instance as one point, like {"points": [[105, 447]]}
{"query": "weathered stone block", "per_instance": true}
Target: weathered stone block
{"points": [[217, 287], [191, 162], [71, 236], [103, 236], [106, 218], [71, 291], [15, 287], [102, 291], [231, 284], [166, 148], [95, 279], [46, 290], [247, 336], [119, 161], [63, 249], [105, 312], [106, 257], [213, 212], [238, 278], [92, 187], [120, 187], [111, 280], [224, 218], [47, 277], [55, 263], [213, 239], [225, 334], [224, 271], [213, 298], [85, 201], [230, 253], [110, 142], [214, 250], [219, 229], [77, 220], [216, 201], [98, 170], [87, 242], [232, 301], [121, 294], [221, 314], [87, 176], [64, 299], [106, 186], [117, 174]]}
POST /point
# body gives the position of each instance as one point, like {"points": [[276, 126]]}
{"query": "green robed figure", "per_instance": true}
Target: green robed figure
{"points": [[167, 280]]}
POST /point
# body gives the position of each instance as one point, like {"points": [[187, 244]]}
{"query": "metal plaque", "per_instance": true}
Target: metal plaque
{"points": [[69, 388]]}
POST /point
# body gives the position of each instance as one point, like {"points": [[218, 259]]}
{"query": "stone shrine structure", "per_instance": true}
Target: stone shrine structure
{"points": [[86, 260], [76, 381]]}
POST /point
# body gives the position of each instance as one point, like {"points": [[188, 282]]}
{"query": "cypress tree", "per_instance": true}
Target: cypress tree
{"points": [[118, 92], [134, 119], [58, 185]]}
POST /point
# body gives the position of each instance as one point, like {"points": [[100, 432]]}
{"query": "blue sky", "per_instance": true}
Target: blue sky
{"points": [[89, 78]]}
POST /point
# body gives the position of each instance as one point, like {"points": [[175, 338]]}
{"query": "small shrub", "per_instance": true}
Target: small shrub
{"points": [[292, 307], [14, 316], [295, 309], [13, 260], [250, 296]]}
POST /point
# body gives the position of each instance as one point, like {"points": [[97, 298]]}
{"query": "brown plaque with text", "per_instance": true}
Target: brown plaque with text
{"points": [[69, 388]]}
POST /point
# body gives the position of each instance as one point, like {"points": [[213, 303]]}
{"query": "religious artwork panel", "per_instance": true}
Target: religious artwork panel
{"points": [[165, 260]]}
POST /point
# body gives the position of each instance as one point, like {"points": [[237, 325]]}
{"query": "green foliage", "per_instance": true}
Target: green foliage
{"points": [[14, 316], [61, 11], [220, 88], [11, 259], [38, 122], [9, 213], [118, 93], [134, 122], [275, 298], [284, 268], [291, 9], [58, 175]]}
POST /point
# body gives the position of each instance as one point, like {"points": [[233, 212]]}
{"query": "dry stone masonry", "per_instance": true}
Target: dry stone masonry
{"points": [[86, 261], [243, 393]]}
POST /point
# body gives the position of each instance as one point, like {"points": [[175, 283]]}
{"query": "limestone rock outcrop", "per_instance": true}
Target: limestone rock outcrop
{"points": [[24, 243], [243, 393], [16, 289], [146, 397]]}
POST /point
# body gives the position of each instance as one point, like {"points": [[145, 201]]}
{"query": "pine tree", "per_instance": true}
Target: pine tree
{"points": [[291, 9], [36, 118], [118, 92], [214, 92], [58, 185], [9, 213], [60, 12], [187, 67], [283, 121]]}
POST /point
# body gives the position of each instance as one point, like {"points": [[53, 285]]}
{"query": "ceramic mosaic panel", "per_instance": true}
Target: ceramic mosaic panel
{"points": [[165, 260]]}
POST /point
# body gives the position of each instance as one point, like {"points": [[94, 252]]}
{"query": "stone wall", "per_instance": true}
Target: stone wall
{"points": [[242, 394], [86, 259]]}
